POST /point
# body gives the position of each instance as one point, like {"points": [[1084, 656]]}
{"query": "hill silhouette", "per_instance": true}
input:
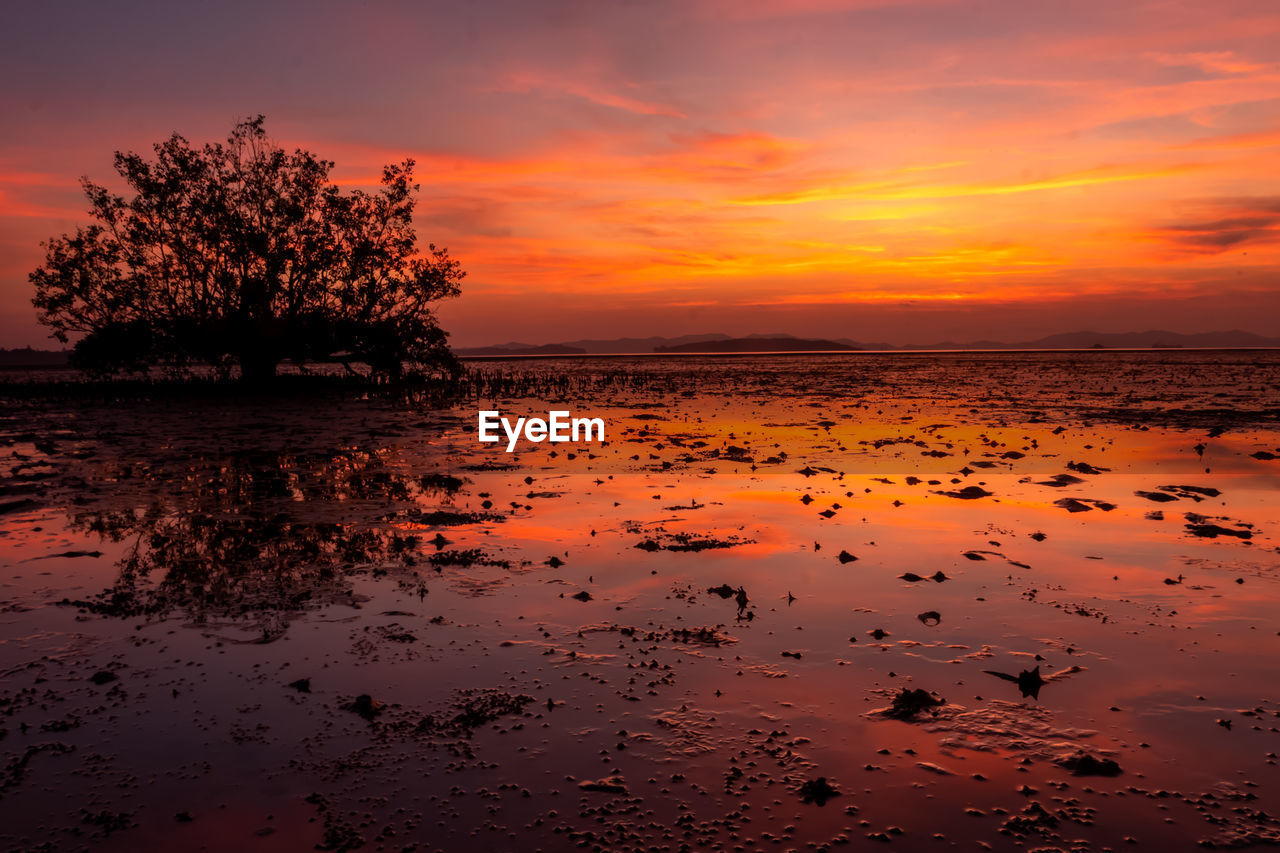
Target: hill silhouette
{"points": [[758, 344], [781, 342]]}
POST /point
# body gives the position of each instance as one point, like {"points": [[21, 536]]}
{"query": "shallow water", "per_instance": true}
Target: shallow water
{"points": [[1107, 517]]}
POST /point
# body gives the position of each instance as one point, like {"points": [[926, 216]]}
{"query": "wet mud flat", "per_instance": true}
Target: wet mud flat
{"points": [[1011, 602]]}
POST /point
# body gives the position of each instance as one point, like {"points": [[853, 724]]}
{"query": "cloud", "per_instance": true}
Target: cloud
{"points": [[553, 85], [887, 190], [1217, 62], [1242, 221]]}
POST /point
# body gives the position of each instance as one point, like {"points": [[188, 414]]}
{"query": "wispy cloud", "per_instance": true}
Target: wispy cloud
{"points": [[551, 85], [1239, 223]]}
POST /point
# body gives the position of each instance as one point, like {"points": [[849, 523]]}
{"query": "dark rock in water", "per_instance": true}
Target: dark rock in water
{"points": [[607, 785], [930, 617], [582, 596], [1213, 531], [910, 577], [1196, 492], [555, 562], [1072, 505], [366, 706], [1264, 456], [910, 703], [1038, 536], [1158, 497], [103, 676], [302, 685], [973, 555], [1058, 481], [724, 590], [818, 791], [968, 493], [879, 633], [939, 576], [1084, 764], [1085, 468], [1029, 681], [845, 557]]}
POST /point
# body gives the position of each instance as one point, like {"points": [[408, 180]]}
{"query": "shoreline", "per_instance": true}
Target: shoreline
{"points": [[746, 353]]}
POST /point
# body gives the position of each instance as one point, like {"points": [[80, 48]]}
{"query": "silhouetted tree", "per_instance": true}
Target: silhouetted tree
{"points": [[244, 254]]}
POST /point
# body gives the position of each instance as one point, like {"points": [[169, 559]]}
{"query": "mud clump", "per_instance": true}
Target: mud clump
{"points": [[466, 559], [1213, 531], [1084, 764], [365, 705], [473, 711], [968, 493], [910, 703], [688, 542], [607, 785], [818, 791]]}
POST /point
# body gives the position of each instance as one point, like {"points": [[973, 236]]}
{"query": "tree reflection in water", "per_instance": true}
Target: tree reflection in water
{"points": [[255, 536]]}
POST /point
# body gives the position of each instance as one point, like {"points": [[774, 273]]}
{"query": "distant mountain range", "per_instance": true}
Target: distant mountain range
{"points": [[754, 344], [721, 343]]}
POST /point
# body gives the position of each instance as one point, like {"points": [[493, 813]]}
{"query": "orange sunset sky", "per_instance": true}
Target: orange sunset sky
{"points": [[886, 170]]}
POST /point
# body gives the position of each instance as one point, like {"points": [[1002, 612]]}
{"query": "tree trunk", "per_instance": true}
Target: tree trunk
{"points": [[259, 349], [257, 368]]}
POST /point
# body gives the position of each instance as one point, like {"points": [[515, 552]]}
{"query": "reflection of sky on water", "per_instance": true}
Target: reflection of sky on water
{"points": [[252, 547]]}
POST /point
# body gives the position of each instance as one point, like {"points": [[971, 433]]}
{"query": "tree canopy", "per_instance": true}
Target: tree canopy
{"points": [[241, 254]]}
